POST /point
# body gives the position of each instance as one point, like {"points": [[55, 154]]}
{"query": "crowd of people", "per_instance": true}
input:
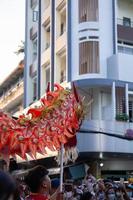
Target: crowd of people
{"points": [[37, 185], [91, 189]]}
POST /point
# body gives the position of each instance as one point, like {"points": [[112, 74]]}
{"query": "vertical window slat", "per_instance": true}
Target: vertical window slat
{"points": [[88, 10], [89, 57]]}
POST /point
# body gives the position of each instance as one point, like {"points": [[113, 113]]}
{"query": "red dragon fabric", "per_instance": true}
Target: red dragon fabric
{"points": [[54, 122]]}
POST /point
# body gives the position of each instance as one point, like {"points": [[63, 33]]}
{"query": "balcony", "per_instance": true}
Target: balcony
{"points": [[112, 127], [120, 67], [92, 142], [46, 36], [46, 16], [33, 32], [126, 49], [60, 4], [12, 95], [125, 31], [33, 69], [45, 58], [61, 43]]}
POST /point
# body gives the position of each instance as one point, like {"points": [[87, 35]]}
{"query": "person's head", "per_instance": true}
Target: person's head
{"points": [[38, 180], [118, 193], [110, 193], [88, 172], [7, 186], [129, 190], [101, 185], [86, 196]]}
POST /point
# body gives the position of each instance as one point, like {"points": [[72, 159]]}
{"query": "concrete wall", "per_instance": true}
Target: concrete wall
{"points": [[106, 34], [112, 69], [125, 67], [91, 142], [120, 67]]}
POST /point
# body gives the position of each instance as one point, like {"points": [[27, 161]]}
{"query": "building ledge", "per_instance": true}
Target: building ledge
{"points": [[101, 82]]}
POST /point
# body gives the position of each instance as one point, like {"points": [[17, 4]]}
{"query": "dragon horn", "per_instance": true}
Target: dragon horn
{"points": [[75, 92]]}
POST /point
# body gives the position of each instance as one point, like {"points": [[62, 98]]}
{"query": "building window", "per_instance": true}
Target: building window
{"points": [[131, 110], [32, 71], [34, 49], [62, 76], [120, 101], [35, 16], [46, 36], [61, 22], [34, 89], [89, 57], [62, 29], [88, 10], [47, 75], [126, 22]]}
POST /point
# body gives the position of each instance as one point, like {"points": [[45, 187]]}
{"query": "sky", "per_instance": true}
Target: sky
{"points": [[12, 31]]}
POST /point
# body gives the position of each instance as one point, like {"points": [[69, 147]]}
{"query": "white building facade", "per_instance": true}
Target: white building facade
{"points": [[89, 42], [12, 91]]}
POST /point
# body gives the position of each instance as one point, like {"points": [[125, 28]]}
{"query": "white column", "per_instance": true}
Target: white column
{"points": [[100, 106], [113, 102], [126, 96], [115, 23]]}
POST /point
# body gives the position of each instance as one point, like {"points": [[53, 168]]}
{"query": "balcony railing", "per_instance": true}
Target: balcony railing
{"points": [[121, 22], [125, 30], [111, 127], [11, 95], [13, 89], [125, 49]]}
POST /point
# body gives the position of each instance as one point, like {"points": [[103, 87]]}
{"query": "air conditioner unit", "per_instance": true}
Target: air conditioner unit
{"points": [[35, 16]]}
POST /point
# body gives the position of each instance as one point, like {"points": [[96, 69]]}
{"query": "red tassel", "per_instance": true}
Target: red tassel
{"points": [[72, 142]]}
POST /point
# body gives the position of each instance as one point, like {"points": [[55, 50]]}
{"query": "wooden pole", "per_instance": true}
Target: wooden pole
{"points": [[61, 167]]}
